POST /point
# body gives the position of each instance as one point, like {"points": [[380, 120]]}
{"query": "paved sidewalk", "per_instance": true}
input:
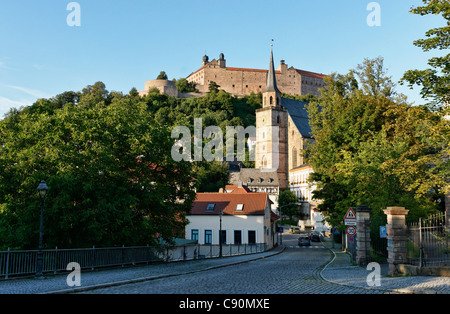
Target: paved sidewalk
{"points": [[112, 277], [341, 271]]}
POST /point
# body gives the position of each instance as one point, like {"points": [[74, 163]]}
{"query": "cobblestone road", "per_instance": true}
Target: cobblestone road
{"points": [[295, 271]]}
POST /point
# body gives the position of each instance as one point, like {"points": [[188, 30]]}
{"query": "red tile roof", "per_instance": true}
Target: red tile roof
{"points": [[310, 74], [301, 72], [254, 203]]}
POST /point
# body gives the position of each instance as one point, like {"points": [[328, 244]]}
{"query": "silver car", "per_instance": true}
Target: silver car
{"points": [[304, 241]]}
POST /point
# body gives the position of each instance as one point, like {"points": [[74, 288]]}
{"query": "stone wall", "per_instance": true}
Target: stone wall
{"points": [[164, 86], [243, 81]]}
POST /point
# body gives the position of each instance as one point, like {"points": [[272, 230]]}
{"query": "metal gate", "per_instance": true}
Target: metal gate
{"points": [[428, 242]]}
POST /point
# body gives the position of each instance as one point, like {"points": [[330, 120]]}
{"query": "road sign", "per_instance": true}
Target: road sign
{"points": [[351, 231], [383, 232], [351, 239], [350, 217]]}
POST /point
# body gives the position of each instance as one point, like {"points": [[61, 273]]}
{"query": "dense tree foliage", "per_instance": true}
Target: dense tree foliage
{"points": [[184, 86], [286, 201], [435, 82], [162, 76], [372, 148], [107, 160]]}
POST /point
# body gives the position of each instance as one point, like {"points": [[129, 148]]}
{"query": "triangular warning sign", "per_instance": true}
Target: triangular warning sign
{"points": [[350, 214]]}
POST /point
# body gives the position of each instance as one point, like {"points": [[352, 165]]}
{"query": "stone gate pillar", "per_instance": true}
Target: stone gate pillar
{"points": [[397, 237], [363, 235]]}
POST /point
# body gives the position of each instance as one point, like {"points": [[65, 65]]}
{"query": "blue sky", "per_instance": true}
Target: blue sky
{"points": [[125, 43]]}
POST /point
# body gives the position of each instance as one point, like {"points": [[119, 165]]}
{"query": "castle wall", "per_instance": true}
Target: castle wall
{"points": [[164, 86], [241, 81]]}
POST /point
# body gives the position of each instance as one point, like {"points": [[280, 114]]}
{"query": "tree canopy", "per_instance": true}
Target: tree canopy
{"points": [[107, 160], [372, 148], [435, 81], [108, 165]]}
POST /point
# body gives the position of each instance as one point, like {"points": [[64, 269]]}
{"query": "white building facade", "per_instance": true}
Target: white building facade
{"points": [[242, 217]]}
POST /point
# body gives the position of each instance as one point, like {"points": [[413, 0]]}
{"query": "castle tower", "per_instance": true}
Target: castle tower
{"points": [[271, 131], [205, 60], [222, 61]]}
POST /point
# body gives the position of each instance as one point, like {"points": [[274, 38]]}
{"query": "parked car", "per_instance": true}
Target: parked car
{"points": [[315, 237], [303, 240], [294, 229]]}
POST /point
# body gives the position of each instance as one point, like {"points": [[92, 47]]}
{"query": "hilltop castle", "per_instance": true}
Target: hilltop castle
{"points": [[244, 81]]}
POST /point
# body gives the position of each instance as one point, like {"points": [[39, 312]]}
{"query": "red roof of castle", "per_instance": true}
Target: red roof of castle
{"points": [[301, 72]]}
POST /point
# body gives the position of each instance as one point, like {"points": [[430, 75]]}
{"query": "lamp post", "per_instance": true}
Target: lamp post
{"points": [[220, 234], [279, 209], [42, 189]]}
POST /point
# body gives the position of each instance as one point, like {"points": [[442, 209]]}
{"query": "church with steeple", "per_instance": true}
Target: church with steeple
{"points": [[282, 133]]}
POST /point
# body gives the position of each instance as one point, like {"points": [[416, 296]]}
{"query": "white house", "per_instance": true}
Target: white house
{"points": [[303, 188], [245, 216]]}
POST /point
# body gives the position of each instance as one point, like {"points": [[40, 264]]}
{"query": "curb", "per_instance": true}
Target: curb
{"points": [[137, 280], [401, 290]]}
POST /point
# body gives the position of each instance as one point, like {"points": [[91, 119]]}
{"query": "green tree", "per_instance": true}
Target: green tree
{"points": [[287, 197], [211, 176], [184, 86], [213, 87], [162, 76], [109, 168], [371, 147], [435, 81]]}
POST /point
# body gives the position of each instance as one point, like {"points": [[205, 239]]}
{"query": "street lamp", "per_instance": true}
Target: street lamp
{"points": [[42, 190], [220, 234], [279, 209]]}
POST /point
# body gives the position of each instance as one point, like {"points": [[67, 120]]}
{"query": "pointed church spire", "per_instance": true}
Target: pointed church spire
{"points": [[271, 78]]}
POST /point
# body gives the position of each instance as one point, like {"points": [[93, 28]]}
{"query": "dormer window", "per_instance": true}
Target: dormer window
{"points": [[210, 207], [239, 207]]}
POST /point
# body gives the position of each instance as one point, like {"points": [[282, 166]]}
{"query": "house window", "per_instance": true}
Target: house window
{"points": [[251, 237], [240, 207], [194, 234], [208, 236], [294, 157], [210, 207], [237, 237]]}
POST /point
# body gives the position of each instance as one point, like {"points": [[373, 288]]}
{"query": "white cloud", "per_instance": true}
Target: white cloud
{"points": [[32, 92], [6, 104], [4, 66]]}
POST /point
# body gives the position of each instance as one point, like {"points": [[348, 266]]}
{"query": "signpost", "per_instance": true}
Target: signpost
{"points": [[351, 231], [350, 217], [383, 232]]}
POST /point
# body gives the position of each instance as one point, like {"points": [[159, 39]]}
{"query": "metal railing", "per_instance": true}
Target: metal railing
{"points": [[428, 242], [23, 262]]}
